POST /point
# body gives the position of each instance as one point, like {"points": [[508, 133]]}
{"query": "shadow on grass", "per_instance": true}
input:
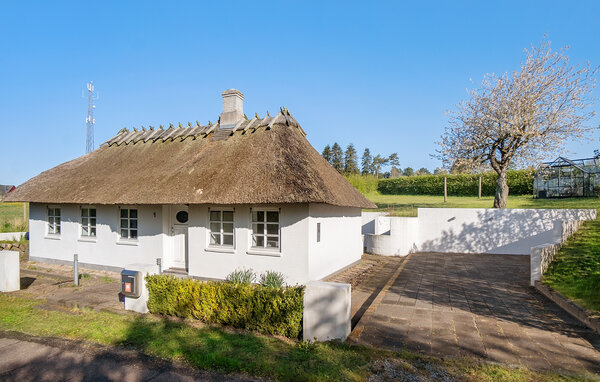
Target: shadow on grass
{"points": [[217, 349]]}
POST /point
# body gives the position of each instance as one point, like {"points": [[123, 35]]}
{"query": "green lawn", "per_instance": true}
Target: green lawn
{"points": [[237, 351], [406, 205], [11, 217], [575, 270]]}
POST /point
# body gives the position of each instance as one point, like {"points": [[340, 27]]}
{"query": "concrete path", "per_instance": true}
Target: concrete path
{"points": [[476, 305], [24, 358]]}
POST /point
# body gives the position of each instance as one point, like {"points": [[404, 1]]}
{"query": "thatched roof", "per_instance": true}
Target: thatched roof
{"points": [[259, 161]]}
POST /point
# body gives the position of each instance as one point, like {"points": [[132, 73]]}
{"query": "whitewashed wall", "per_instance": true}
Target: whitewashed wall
{"points": [[107, 249], [340, 244], [291, 260], [473, 230]]}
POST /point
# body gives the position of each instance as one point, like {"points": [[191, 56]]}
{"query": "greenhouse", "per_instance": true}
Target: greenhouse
{"points": [[567, 178]]}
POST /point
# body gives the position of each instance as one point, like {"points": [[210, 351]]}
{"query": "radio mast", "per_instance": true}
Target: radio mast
{"points": [[90, 121]]}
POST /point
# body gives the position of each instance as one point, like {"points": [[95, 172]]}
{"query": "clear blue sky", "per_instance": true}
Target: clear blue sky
{"points": [[379, 75]]}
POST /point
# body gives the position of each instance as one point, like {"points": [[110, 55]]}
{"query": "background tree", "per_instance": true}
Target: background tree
{"points": [[367, 162], [395, 172], [393, 160], [350, 161], [408, 171], [422, 171], [337, 158], [520, 118], [378, 162], [439, 171], [327, 153]]}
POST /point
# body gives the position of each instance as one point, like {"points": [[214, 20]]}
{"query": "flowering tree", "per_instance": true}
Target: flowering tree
{"points": [[519, 118]]}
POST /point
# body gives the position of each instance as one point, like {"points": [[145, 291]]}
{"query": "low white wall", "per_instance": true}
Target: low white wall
{"points": [[474, 230], [12, 236], [368, 221], [326, 311], [10, 279]]}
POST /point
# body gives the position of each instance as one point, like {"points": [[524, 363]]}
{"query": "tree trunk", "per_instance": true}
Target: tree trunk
{"points": [[501, 190]]}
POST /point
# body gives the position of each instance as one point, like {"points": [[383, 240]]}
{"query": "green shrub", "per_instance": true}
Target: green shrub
{"points": [[251, 307], [520, 182], [241, 276], [271, 279], [363, 183]]}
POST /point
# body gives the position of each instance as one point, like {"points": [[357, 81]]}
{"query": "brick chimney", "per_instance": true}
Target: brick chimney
{"points": [[233, 108]]}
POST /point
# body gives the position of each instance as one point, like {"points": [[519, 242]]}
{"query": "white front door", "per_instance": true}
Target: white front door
{"points": [[179, 236]]}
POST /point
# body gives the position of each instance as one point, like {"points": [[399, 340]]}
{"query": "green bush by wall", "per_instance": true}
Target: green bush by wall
{"points": [[252, 307], [520, 182]]}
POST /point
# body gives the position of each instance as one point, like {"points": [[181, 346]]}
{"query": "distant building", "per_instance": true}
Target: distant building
{"points": [[206, 200], [5, 189], [564, 177]]}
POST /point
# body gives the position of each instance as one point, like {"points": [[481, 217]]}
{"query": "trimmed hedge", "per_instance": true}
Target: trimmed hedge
{"points": [[253, 307], [520, 182]]}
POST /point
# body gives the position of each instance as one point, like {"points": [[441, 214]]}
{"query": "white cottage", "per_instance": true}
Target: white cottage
{"points": [[206, 200]]}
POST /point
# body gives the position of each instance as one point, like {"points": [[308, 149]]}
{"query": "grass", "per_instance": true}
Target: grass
{"points": [[12, 219], [575, 270], [240, 352], [406, 205]]}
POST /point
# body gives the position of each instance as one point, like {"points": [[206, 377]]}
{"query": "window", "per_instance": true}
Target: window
{"points": [[221, 228], [88, 222], [265, 229], [318, 232], [53, 221], [129, 223]]}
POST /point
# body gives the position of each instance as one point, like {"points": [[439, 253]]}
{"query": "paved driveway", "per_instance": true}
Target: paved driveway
{"points": [[477, 305]]}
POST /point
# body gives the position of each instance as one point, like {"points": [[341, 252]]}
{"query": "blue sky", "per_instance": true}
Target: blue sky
{"points": [[377, 74]]}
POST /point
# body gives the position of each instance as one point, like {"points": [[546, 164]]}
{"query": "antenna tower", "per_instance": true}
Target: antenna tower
{"points": [[90, 121]]}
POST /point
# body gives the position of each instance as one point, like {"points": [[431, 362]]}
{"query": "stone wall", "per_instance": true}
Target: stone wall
{"points": [[22, 248]]}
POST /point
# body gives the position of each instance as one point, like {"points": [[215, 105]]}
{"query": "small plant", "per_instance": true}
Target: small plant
{"points": [[272, 279], [85, 276], [241, 276], [307, 346]]}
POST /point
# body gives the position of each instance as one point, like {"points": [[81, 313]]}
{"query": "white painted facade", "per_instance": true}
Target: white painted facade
{"points": [[469, 230], [303, 255]]}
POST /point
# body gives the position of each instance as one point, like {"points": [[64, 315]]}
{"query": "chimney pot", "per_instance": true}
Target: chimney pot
{"points": [[233, 108]]}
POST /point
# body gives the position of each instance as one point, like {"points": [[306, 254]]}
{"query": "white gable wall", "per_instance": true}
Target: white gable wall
{"points": [[341, 241], [107, 249]]}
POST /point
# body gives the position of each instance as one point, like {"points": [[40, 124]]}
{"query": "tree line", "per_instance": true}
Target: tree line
{"points": [[346, 162]]}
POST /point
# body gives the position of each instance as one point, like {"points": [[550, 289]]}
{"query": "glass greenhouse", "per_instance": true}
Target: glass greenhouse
{"points": [[567, 178]]}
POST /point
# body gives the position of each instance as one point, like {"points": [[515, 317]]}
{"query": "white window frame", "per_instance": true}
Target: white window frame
{"points": [[265, 233], [221, 232], [129, 220], [51, 225], [89, 224]]}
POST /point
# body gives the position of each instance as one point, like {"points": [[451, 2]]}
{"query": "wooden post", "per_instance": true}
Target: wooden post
{"points": [[479, 195], [445, 190], [24, 212]]}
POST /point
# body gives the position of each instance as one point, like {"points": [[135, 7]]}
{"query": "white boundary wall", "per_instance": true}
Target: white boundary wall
{"points": [[472, 230]]}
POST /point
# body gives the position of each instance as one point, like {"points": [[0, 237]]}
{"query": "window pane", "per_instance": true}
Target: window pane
{"points": [[215, 227], [133, 214], [227, 239], [133, 234], [124, 223], [93, 222], [272, 229], [272, 242], [57, 221], [93, 212], [92, 231], [273, 216], [215, 239], [133, 223], [84, 212], [258, 241], [227, 216], [228, 227], [84, 221], [124, 213], [124, 233], [57, 229], [258, 229], [57, 212], [215, 216], [84, 231], [50, 212], [258, 216]]}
